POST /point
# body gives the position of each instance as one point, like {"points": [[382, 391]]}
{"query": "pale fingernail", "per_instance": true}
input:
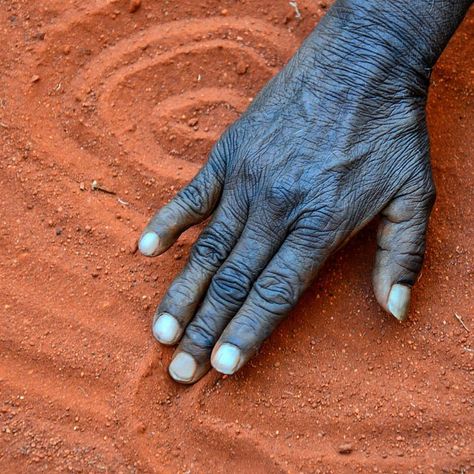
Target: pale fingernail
{"points": [[227, 359], [148, 243], [399, 300], [166, 328], [182, 367]]}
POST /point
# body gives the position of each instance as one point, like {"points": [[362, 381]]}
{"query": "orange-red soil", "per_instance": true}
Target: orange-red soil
{"points": [[91, 91]]}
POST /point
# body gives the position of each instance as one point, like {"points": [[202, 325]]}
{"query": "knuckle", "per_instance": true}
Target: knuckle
{"points": [[278, 195], [320, 222], [194, 199], [212, 248], [276, 292], [249, 325], [430, 194], [224, 148], [423, 187], [283, 195], [201, 334], [251, 328], [231, 285], [410, 263], [181, 293]]}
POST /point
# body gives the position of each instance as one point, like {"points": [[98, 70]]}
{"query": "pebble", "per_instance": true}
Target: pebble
{"points": [[134, 5], [345, 448], [241, 68], [35, 78], [140, 427]]}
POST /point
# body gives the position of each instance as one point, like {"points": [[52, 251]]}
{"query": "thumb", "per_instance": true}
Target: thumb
{"points": [[401, 246]]}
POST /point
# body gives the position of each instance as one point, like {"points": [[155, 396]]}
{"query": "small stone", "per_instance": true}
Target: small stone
{"points": [[134, 5], [345, 448], [140, 427], [241, 68], [193, 121], [66, 49], [58, 231], [35, 78]]}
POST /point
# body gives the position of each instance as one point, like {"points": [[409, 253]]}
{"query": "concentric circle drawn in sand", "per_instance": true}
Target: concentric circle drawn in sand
{"points": [[146, 82]]}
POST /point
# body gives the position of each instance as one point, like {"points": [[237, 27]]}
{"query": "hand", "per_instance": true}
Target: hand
{"points": [[328, 144]]}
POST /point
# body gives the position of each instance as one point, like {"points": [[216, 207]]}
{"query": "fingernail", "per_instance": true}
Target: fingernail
{"points": [[166, 328], [398, 301], [227, 359], [182, 367], [148, 243]]}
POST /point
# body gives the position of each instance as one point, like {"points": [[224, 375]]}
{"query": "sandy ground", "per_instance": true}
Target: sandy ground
{"points": [[92, 91]]}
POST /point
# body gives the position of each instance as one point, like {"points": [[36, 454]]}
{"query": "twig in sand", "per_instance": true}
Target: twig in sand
{"points": [[456, 315], [95, 186], [297, 10]]}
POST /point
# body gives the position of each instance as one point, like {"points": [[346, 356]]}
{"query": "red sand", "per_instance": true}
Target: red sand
{"points": [[91, 91]]}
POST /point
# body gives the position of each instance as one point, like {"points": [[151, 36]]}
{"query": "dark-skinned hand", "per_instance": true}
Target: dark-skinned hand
{"points": [[336, 138]]}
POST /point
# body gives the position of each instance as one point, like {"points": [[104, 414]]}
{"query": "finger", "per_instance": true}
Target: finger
{"points": [[227, 292], [189, 207], [274, 293], [401, 246], [188, 289]]}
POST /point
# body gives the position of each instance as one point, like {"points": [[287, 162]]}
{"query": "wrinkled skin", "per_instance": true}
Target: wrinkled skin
{"points": [[327, 145]]}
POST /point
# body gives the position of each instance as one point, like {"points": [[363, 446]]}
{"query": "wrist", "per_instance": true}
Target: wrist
{"points": [[387, 46], [419, 29]]}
